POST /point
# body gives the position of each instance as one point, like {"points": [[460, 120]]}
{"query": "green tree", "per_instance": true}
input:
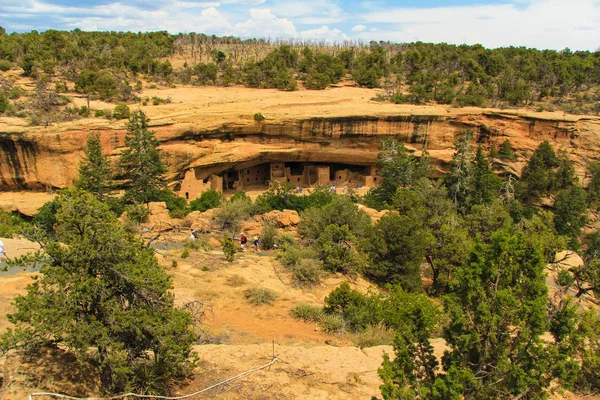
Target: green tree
{"points": [[94, 169], [229, 249], [506, 152], [206, 201], [142, 167], [593, 188], [459, 179], [538, 176], [565, 174], [102, 296], [497, 313], [396, 247], [397, 169], [485, 184], [570, 211]]}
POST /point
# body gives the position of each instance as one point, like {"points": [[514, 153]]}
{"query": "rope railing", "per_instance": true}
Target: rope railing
{"points": [[145, 396]]}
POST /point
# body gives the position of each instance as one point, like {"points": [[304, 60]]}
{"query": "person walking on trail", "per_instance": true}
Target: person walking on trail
{"points": [[256, 244], [2, 252], [243, 241]]}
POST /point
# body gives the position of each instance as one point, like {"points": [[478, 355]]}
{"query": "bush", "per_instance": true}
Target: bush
{"points": [[307, 272], [235, 280], [229, 249], [332, 324], [258, 296], [341, 211], [292, 255], [122, 111], [11, 223], [374, 335], [231, 214], [99, 113], [185, 253], [268, 235], [137, 212], [83, 112], [4, 65], [206, 201], [307, 313], [259, 117]]}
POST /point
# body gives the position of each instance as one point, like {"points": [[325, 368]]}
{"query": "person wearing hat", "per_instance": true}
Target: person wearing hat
{"points": [[243, 241], [255, 244]]}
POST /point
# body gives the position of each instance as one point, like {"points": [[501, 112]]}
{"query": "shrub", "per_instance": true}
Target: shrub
{"points": [[229, 249], [137, 212], [231, 214], [122, 111], [341, 211], [374, 335], [307, 313], [99, 113], [235, 280], [291, 255], [11, 223], [4, 65], [206, 201], [267, 236], [258, 296], [259, 117], [185, 253], [307, 272], [333, 324]]}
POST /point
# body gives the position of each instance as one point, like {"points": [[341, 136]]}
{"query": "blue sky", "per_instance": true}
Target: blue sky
{"points": [[553, 24]]}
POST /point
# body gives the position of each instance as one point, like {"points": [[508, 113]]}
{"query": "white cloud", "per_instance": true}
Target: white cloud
{"points": [[324, 33], [358, 28], [311, 12], [553, 24], [263, 23]]}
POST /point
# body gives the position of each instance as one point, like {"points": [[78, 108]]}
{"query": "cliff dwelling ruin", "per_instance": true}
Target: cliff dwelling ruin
{"points": [[260, 175]]}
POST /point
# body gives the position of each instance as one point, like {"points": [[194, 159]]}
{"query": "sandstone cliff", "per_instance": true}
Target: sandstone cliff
{"points": [[214, 129]]}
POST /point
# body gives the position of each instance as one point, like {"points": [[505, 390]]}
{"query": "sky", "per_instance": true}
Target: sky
{"points": [[543, 24]]}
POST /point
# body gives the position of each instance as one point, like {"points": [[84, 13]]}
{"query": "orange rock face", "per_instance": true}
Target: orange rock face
{"points": [[212, 137]]}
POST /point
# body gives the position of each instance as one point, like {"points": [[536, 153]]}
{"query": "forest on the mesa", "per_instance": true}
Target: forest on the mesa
{"points": [[117, 66], [470, 257]]}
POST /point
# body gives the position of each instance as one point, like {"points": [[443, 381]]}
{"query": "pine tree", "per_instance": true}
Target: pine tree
{"points": [[142, 167], [458, 179], [485, 184], [94, 169], [565, 174], [498, 316], [103, 297]]}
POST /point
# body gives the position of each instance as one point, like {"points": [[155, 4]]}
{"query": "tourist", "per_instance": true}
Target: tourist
{"points": [[255, 244], [243, 241], [2, 252], [192, 235]]}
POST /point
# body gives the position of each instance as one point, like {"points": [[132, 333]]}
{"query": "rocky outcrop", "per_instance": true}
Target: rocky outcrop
{"points": [[38, 157]]}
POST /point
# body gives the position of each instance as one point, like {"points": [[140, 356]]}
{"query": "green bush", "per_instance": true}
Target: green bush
{"points": [[185, 253], [206, 201], [231, 214], [98, 113], [229, 249], [4, 65], [268, 235], [259, 117], [137, 212], [341, 211], [258, 296], [307, 272], [235, 280], [121, 111], [46, 217], [11, 223], [374, 335], [307, 313], [83, 112], [332, 324]]}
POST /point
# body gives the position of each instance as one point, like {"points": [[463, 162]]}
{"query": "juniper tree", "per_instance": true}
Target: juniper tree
{"points": [[458, 179], [94, 169], [102, 296], [142, 168]]}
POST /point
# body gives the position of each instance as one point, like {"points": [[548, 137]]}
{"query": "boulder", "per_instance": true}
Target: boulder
{"points": [[201, 221], [283, 219], [158, 217]]}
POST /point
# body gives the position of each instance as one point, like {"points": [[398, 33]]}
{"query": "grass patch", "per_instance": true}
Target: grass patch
{"points": [[333, 324], [374, 335], [258, 296], [307, 313], [235, 280]]}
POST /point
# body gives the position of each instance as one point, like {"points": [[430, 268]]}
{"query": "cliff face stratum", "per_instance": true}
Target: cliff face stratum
{"points": [[213, 130]]}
